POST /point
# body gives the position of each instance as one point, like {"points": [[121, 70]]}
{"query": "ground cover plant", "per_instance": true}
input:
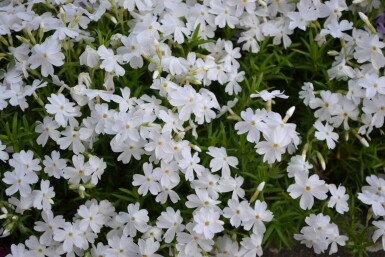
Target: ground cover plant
{"points": [[191, 128]]}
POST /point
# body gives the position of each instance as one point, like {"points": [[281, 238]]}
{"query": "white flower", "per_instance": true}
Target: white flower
{"points": [[89, 57], [43, 197], [19, 181], [64, 110], [134, 220], [338, 199], [266, 95], [257, 217], [190, 163], [91, 218], [275, 145], [325, 132], [71, 236], [47, 128], [207, 222], [48, 226], [110, 61], [147, 182], [46, 55], [307, 188], [172, 221], [221, 161], [237, 212], [380, 232]]}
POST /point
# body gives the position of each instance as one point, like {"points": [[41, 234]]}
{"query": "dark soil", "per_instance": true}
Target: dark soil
{"points": [[300, 250]]}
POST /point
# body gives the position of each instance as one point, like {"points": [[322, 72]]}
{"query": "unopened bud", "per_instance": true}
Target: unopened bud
{"points": [[156, 74], [113, 19], [195, 147], [367, 22], [304, 151], [358, 1], [41, 31], [261, 186], [333, 53], [22, 39], [289, 113], [321, 160], [2, 40], [363, 141], [4, 210], [261, 2]]}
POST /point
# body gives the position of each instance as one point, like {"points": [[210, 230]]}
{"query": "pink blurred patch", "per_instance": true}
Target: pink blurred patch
{"points": [[3, 253]]}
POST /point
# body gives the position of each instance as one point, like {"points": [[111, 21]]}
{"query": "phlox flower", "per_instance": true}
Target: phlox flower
{"points": [[202, 200], [121, 246], [233, 185], [298, 164], [172, 25], [328, 102], [24, 160], [4, 156], [49, 224], [167, 192], [47, 129], [91, 218], [369, 49], [20, 181], [376, 107], [338, 199], [71, 236], [42, 199], [89, 57], [307, 188], [207, 222], [221, 161], [257, 217], [252, 245], [208, 181], [253, 124], [306, 12], [148, 181], [237, 212], [189, 164], [187, 100], [325, 132], [275, 145], [134, 220], [172, 221], [380, 232], [71, 139], [54, 165], [110, 61], [374, 194], [224, 14], [192, 242], [38, 249], [148, 248], [46, 55], [78, 172], [63, 109], [266, 95]]}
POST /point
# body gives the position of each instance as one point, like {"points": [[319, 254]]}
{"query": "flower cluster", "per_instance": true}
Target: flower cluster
{"points": [[116, 105]]}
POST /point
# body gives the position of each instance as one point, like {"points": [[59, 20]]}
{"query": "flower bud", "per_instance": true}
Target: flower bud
{"points": [[321, 160], [367, 22], [363, 141], [261, 186]]}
